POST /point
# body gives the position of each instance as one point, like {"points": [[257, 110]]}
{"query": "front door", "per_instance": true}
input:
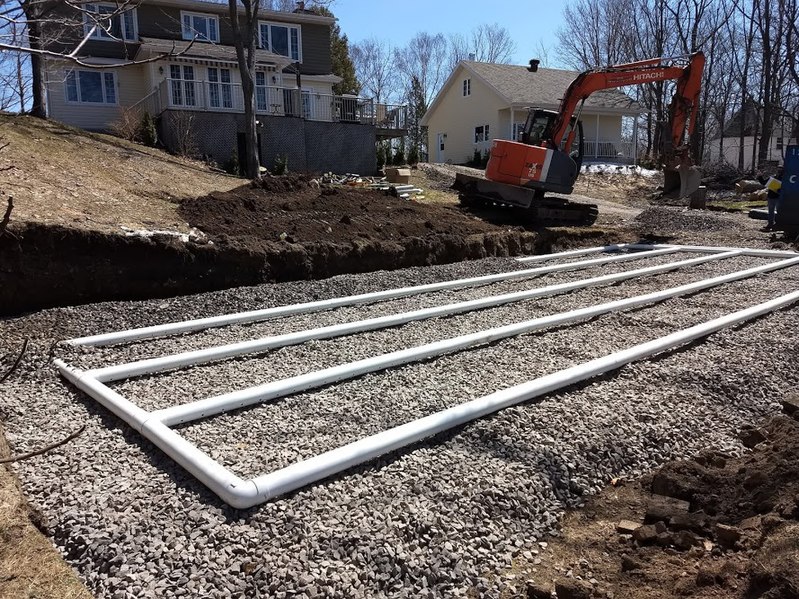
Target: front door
{"points": [[441, 140]]}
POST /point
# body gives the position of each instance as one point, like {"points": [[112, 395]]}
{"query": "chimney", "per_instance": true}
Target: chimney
{"points": [[533, 68], [300, 7], [471, 56]]}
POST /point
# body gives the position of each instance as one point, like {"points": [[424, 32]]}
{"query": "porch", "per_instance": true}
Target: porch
{"points": [[275, 101]]}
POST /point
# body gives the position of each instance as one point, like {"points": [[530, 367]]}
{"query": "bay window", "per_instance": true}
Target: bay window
{"points": [[91, 87]]}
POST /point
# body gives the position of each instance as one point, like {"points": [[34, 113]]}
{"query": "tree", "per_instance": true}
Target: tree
{"points": [[486, 43], [245, 32], [417, 107], [375, 68], [425, 57], [340, 56]]}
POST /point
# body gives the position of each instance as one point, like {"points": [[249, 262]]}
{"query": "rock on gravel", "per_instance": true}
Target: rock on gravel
{"points": [[440, 518]]}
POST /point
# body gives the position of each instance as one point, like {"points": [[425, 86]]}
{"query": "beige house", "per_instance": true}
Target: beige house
{"points": [[483, 101]]}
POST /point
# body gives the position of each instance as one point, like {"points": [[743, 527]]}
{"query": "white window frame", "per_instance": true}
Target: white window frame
{"points": [[194, 35], [99, 34], [467, 87], [485, 134], [80, 100], [288, 26]]}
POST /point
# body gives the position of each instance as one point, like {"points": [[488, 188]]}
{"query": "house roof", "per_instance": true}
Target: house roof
{"points": [[544, 87], [200, 50], [266, 15], [749, 116]]}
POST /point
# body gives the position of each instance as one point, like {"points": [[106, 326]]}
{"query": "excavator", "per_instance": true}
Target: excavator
{"points": [[549, 153]]}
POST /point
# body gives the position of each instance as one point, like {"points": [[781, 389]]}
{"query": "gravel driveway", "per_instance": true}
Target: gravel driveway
{"points": [[439, 518]]}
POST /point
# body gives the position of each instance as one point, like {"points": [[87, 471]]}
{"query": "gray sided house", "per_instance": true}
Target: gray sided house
{"points": [[195, 93]]}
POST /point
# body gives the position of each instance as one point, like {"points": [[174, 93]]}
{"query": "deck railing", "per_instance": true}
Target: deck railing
{"points": [[608, 150], [210, 96]]}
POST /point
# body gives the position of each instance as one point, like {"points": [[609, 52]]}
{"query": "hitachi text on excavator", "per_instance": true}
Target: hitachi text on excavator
{"points": [[549, 153]]}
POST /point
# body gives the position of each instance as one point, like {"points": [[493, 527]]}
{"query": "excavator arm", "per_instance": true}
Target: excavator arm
{"points": [[678, 171]]}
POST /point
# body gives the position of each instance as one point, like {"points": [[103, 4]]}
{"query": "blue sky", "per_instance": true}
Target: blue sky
{"points": [[527, 21]]}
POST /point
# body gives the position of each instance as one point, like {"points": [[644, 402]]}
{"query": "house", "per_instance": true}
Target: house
{"points": [[725, 147], [482, 101], [192, 84]]}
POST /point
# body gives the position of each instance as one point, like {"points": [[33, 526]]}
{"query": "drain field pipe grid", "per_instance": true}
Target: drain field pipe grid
{"points": [[241, 493]]}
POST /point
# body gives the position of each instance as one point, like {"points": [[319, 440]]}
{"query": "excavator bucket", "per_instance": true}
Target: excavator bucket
{"points": [[681, 182]]}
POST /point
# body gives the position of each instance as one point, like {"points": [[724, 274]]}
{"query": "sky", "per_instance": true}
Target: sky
{"points": [[528, 21]]}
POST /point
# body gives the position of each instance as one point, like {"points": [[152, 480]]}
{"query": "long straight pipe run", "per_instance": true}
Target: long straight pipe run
{"points": [[276, 389], [321, 466], [755, 253], [199, 324], [202, 356]]}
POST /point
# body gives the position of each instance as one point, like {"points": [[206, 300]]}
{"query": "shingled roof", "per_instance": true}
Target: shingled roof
{"points": [[542, 88]]}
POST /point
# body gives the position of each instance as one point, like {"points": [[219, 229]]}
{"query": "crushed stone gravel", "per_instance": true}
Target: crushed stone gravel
{"points": [[440, 518]]}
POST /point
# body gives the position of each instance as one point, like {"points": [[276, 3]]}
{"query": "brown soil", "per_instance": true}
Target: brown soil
{"points": [[736, 534], [290, 209]]}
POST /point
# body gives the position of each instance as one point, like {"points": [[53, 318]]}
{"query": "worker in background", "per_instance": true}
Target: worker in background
{"points": [[773, 186]]}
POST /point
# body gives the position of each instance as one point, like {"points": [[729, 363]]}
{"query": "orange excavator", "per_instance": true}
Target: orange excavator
{"points": [[549, 154]]}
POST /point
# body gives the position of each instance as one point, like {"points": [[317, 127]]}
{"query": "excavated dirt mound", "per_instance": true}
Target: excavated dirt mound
{"points": [[283, 229], [291, 210], [712, 527]]}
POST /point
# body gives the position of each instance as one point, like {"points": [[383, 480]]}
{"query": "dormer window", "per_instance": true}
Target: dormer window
{"points": [[467, 87], [117, 26], [200, 26], [281, 38]]}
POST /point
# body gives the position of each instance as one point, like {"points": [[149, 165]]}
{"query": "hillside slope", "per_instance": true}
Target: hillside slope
{"points": [[63, 175]]}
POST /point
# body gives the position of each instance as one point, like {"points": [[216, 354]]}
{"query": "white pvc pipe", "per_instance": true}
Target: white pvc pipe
{"points": [[323, 465], [245, 397], [193, 358], [755, 253], [365, 298], [573, 253]]}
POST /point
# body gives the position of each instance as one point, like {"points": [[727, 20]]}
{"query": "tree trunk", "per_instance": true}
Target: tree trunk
{"points": [[244, 41], [768, 60], [38, 92]]}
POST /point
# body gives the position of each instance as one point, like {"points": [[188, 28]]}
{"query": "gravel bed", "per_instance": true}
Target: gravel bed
{"points": [[444, 517]]}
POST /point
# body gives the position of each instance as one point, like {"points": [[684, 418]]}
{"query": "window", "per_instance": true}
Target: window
{"points": [[467, 87], [121, 26], [481, 134], [199, 26], [92, 87], [181, 85], [779, 143], [220, 91], [260, 91], [518, 130], [281, 39]]}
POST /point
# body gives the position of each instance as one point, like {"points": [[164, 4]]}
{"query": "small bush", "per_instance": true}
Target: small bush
{"points": [[381, 155], [476, 160], [233, 166], [148, 133], [413, 155], [486, 157], [281, 165], [399, 157], [128, 125]]}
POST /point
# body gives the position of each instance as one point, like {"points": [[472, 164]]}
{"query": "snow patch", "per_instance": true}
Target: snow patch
{"points": [[194, 235], [618, 169]]}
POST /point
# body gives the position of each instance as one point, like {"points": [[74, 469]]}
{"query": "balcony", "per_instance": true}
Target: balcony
{"points": [[210, 96]]}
